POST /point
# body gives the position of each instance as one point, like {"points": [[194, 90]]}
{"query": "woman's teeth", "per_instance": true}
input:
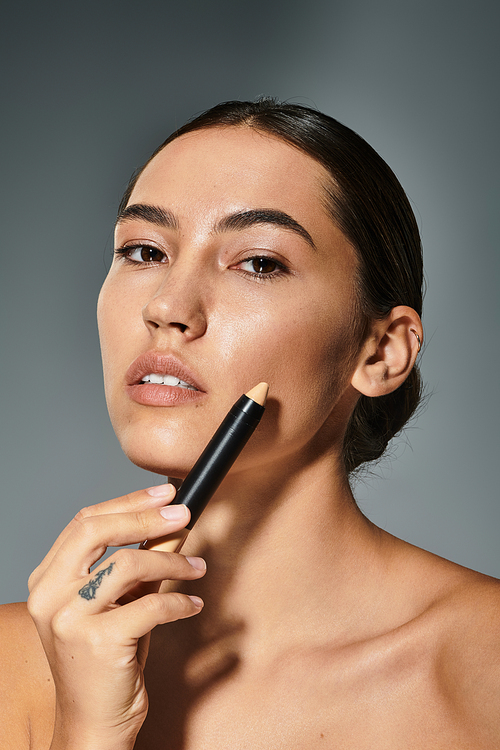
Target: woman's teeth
{"points": [[166, 380]]}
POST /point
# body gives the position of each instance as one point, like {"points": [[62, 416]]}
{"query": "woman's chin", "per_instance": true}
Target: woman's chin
{"points": [[157, 466], [160, 460], [167, 448]]}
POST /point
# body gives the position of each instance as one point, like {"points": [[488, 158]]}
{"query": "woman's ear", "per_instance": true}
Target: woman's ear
{"points": [[389, 352]]}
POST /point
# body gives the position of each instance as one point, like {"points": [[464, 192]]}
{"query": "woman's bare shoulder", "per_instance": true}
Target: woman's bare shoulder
{"points": [[468, 601], [451, 622], [468, 619], [473, 608], [26, 687]]}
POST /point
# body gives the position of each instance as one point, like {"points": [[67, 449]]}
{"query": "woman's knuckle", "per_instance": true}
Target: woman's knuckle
{"points": [[36, 605], [63, 623], [179, 601], [87, 526], [169, 558], [142, 522], [33, 579], [83, 513], [153, 604], [130, 500], [125, 560]]}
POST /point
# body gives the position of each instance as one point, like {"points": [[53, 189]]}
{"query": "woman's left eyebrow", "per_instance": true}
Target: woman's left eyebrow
{"points": [[244, 219]]}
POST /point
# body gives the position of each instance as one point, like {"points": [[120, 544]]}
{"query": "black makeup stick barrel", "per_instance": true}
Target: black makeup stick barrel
{"points": [[214, 463]]}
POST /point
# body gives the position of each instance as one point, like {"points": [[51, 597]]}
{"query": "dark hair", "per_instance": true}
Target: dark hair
{"points": [[368, 204]]}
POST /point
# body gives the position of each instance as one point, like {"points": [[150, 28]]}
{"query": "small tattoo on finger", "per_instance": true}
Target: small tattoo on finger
{"points": [[90, 589]]}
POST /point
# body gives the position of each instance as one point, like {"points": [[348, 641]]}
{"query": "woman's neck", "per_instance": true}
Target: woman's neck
{"points": [[280, 549]]}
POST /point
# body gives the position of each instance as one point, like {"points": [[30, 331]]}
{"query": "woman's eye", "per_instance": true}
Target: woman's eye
{"points": [[142, 254], [261, 266]]}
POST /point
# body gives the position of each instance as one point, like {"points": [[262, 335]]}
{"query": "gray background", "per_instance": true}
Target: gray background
{"points": [[90, 88]]}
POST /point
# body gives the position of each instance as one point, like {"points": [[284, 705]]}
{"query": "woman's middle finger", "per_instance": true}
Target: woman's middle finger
{"points": [[92, 535]]}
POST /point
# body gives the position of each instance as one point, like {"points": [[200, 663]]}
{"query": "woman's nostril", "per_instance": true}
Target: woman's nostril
{"points": [[181, 326]]}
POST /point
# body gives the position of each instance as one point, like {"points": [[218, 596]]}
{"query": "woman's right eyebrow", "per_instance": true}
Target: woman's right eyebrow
{"points": [[162, 217]]}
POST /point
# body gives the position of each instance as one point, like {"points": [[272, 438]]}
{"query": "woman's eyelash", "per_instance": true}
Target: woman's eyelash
{"points": [[263, 267], [148, 254]]}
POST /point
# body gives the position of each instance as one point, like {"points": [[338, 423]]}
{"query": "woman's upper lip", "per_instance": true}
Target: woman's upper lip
{"points": [[162, 364]]}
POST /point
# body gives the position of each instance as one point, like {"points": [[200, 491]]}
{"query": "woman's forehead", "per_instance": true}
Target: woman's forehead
{"points": [[239, 154]]}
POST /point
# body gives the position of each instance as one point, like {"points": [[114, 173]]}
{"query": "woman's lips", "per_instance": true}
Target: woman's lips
{"points": [[151, 394], [156, 394]]}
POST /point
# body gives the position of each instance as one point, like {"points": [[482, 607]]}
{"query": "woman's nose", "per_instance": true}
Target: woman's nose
{"points": [[178, 304]]}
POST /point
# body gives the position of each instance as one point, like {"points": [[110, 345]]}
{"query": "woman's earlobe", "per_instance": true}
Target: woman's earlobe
{"points": [[389, 352]]}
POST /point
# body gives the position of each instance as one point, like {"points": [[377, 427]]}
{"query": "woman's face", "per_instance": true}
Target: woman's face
{"points": [[228, 272]]}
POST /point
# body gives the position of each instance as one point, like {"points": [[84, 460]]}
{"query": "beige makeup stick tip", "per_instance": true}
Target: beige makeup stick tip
{"points": [[259, 393]]}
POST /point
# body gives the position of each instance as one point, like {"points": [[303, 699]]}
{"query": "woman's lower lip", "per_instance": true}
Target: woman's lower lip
{"points": [[153, 394]]}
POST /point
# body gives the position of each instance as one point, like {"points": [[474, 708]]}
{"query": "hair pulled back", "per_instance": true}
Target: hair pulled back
{"points": [[368, 204]]}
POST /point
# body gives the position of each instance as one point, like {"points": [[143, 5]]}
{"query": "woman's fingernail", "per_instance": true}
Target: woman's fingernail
{"points": [[198, 563], [161, 490], [174, 512], [197, 601]]}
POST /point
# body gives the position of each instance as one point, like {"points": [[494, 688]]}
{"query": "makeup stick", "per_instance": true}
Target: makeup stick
{"points": [[214, 463]]}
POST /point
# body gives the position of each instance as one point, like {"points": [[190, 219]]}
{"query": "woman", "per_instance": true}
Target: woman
{"points": [[261, 242]]}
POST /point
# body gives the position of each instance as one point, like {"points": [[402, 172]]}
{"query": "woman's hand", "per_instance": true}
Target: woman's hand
{"points": [[95, 626]]}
